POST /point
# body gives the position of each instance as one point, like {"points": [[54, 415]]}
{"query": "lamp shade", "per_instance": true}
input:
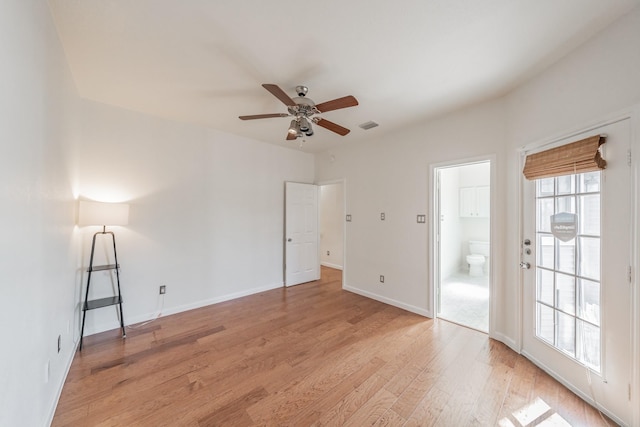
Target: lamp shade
{"points": [[99, 213]]}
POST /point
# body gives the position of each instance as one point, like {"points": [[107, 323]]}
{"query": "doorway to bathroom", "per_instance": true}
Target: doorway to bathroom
{"points": [[462, 244]]}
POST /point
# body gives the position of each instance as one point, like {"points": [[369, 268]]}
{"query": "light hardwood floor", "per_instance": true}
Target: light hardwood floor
{"points": [[312, 354]]}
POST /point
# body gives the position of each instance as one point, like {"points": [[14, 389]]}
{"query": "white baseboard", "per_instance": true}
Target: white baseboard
{"points": [[390, 301], [177, 309], [508, 341], [330, 265], [54, 403]]}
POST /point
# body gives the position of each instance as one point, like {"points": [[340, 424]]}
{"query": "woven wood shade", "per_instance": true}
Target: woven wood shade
{"points": [[576, 157]]}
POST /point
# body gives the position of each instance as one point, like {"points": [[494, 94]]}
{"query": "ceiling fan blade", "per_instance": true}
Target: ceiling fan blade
{"points": [[336, 104], [332, 126], [279, 93], [262, 116], [290, 136]]}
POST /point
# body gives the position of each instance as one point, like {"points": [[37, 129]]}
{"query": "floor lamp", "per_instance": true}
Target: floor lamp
{"points": [[102, 214]]}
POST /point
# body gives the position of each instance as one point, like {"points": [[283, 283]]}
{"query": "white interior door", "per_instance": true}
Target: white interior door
{"points": [[577, 294], [302, 257]]}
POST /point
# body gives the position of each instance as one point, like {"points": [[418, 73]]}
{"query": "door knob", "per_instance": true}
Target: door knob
{"points": [[289, 239], [525, 265]]}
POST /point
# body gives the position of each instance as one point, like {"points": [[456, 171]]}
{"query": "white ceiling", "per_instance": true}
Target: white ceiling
{"points": [[203, 61]]}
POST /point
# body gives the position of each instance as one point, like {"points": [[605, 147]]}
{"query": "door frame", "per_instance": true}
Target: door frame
{"points": [[434, 228], [342, 181], [633, 115]]}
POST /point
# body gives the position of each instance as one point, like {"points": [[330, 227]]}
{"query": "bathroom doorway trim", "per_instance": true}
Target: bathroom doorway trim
{"points": [[434, 230]]}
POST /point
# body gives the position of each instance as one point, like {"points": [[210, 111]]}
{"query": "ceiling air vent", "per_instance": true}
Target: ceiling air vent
{"points": [[368, 125]]}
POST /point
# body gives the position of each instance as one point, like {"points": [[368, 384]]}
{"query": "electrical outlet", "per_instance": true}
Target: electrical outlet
{"points": [[328, 253], [381, 278], [382, 216], [163, 289], [348, 218], [59, 343]]}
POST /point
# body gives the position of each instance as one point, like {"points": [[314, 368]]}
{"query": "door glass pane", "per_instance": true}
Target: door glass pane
{"points": [[589, 301], [589, 221], [545, 324], [589, 345], [589, 182], [566, 204], [567, 256], [546, 251], [589, 258], [545, 286], [545, 210], [566, 293], [566, 340], [566, 184], [544, 187]]}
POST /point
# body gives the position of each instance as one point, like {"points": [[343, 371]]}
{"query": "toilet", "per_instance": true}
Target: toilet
{"points": [[478, 253]]}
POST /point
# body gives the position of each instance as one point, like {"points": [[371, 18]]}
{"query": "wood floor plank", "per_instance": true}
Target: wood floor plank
{"points": [[311, 354], [390, 419], [351, 403], [416, 391], [487, 407]]}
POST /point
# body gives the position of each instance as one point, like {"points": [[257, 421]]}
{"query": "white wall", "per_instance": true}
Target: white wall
{"points": [[450, 223], [206, 209], [596, 80], [39, 245], [331, 225], [389, 173]]}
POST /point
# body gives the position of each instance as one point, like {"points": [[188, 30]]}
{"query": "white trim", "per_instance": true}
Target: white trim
{"points": [[390, 301], [211, 301], [519, 339], [624, 114], [179, 309], [63, 380], [635, 254], [330, 265], [506, 340], [433, 210]]}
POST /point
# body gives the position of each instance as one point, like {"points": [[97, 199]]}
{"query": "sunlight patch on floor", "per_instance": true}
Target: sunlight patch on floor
{"points": [[537, 413]]}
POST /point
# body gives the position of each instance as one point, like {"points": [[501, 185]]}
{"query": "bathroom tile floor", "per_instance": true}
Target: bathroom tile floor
{"points": [[465, 300]]}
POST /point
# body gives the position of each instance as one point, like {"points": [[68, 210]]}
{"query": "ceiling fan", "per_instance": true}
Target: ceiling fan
{"points": [[302, 109]]}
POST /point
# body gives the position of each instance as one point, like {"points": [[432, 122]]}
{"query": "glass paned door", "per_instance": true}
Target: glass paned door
{"points": [[576, 311]]}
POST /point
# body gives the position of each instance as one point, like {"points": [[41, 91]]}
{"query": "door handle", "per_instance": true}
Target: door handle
{"points": [[525, 265], [289, 239]]}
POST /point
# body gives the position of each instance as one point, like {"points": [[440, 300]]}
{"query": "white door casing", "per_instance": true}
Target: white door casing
{"points": [[611, 387], [302, 257]]}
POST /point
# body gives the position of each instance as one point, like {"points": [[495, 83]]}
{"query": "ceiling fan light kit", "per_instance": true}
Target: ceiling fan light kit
{"points": [[302, 109]]}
